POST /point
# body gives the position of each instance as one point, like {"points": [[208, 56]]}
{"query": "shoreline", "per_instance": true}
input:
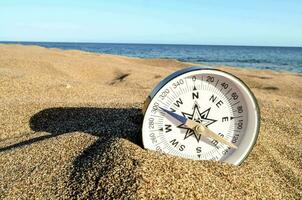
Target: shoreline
{"points": [[75, 47]]}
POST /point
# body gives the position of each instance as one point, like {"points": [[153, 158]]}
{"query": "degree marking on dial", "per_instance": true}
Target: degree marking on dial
{"points": [[228, 91], [236, 117], [200, 83], [208, 86], [235, 103], [234, 109], [187, 85], [171, 149], [210, 152], [169, 100], [178, 93], [155, 116], [173, 92], [218, 149], [155, 130], [181, 89], [161, 112], [211, 88], [230, 98], [163, 103], [228, 136], [215, 87]]}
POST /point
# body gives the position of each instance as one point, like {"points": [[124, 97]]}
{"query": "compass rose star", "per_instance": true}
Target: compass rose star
{"points": [[198, 117]]}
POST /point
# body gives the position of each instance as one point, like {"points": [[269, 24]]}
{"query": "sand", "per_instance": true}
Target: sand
{"points": [[70, 127]]}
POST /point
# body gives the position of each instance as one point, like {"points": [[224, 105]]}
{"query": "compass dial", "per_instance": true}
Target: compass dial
{"points": [[215, 99]]}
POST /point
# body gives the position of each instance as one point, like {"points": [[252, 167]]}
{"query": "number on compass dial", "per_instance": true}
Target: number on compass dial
{"points": [[218, 101]]}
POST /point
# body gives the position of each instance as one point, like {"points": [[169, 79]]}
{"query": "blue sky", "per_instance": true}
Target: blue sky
{"points": [[229, 22]]}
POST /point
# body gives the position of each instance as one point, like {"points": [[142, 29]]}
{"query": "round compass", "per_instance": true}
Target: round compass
{"points": [[201, 113]]}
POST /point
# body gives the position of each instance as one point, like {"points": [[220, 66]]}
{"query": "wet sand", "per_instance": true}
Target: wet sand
{"points": [[70, 127]]}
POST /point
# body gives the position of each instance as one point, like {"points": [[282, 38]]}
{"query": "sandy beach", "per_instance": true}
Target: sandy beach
{"points": [[70, 127]]}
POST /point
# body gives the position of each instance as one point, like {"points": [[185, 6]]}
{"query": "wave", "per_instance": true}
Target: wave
{"points": [[231, 60]]}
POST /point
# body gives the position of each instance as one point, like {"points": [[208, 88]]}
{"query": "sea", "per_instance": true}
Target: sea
{"points": [[259, 57]]}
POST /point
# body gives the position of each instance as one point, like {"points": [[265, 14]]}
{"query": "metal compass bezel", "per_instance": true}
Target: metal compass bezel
{"points": [[235, 158]]}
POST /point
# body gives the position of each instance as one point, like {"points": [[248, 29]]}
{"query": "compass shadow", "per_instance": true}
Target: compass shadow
{"points": [[100, 122], [108, 124]]}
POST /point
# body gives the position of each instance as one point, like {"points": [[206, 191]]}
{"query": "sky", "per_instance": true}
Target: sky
{"points": [[216, 22]]}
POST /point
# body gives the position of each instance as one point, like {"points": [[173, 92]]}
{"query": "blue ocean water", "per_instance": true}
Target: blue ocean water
{"points": [[274, 58]]}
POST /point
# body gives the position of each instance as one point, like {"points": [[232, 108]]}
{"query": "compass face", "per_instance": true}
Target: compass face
{"points": [[217, 100]]}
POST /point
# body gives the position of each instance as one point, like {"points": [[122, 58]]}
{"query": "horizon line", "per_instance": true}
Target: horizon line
{"points": [[138, 43]]}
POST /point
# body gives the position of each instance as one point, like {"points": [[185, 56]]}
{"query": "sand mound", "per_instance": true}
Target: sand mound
{"points": [[70, 127]]}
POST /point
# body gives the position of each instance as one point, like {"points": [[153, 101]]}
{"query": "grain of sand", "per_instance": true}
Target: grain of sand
{"points": [[70, 128]]}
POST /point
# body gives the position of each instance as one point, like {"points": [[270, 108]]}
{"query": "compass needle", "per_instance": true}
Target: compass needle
{"points": [[208, 133], [202, 113], [199, 128], [175, 116]]}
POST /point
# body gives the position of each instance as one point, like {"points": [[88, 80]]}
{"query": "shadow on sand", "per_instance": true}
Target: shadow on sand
{"points": [[108, 124], [113, 122]]}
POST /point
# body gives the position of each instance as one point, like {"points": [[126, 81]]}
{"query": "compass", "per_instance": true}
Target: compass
{"points": [[201, 113]]}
